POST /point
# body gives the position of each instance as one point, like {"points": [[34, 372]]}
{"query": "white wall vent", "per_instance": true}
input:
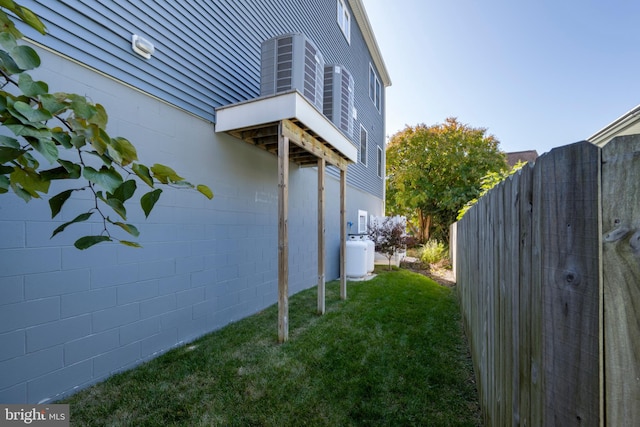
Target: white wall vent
{"points": [[338, 97], [292, 61]]}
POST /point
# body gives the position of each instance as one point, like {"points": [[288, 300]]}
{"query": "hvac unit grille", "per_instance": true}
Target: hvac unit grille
{"points": [[338, 97], [290, 62]]}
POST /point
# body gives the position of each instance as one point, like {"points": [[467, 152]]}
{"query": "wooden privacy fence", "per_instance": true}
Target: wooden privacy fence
{"points": [[548, 272]]}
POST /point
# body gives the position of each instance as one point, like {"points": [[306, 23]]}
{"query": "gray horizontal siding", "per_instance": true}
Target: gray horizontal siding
{"points": [[208, 52]]}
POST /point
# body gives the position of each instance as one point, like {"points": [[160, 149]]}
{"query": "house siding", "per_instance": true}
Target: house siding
{"points": [[71, 318]]}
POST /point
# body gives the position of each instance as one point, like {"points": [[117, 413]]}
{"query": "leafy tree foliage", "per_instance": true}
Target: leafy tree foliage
{"points": [[68, 133], [489, 181], [433, 171]]}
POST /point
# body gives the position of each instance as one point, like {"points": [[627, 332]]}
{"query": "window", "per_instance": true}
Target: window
{"points": [[363, 145], [380, 163], [344, 20], [362, 222], [375, 89]]}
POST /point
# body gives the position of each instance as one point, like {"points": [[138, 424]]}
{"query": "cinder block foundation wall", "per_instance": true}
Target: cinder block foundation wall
{"points": [[70, 318]]}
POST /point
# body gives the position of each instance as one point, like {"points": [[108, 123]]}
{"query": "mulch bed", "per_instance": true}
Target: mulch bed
{"points": [[443, 276]]}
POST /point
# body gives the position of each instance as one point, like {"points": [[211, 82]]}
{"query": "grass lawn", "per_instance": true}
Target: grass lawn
{"points": [[392, 354]]}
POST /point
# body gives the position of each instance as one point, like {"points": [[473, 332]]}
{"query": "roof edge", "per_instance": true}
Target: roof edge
{"points": [[620, 124], [362, 19]]}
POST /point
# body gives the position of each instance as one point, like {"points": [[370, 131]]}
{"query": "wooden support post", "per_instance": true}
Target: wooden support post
{"points": [[343, 234], [283, 236], [321, 235]]}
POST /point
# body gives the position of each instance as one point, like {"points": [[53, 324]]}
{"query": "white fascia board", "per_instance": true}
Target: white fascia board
{"points": [[286, 106], [627, 124]]}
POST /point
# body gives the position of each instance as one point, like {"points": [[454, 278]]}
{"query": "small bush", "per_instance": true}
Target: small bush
{"points": [[412, 242], [389, 236], [433, 252]]}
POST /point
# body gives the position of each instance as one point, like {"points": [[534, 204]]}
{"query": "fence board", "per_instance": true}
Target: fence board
{"points": [[525, 177], [500, 341], [570, 292], [528, 278], [510, 328], [513, 317], [621, 279], [537, 385]]}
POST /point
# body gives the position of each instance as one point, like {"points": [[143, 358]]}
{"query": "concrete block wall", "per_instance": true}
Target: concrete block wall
{"points": [[71, 318]]}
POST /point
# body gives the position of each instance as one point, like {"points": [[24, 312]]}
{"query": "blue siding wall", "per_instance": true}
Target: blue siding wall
{"points": [[208, 52]]}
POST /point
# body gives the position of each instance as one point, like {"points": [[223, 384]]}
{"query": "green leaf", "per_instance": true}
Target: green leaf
{"points": [[7, 40], [80, 218], [28, 161], [129, 228], [131, 244], [25, 14], [24, 130], [56, 202], [7, 141], [54, 104], [125, 191], [73, 169], [205, 190], [25, 57], [62, 138], [8, 26], [100, 117], [98, 138], [122, 151], [29, 180], [32, 114], [78, 141], [81, 107], [5, 169], [106, 178], [4, 184], [24, 195], [46, 147], [165, 174], [143, 173], [149, 200], [32, 88], [7, 154], [31, 19], [88, 241], [117, 206], [55, 173], [8, 64]]}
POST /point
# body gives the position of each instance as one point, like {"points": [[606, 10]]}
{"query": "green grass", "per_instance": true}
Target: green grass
{"points": [[392, 354]]}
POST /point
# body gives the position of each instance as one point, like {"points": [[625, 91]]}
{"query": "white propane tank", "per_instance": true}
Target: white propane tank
{"points": [[356, 257], [371, 254]]}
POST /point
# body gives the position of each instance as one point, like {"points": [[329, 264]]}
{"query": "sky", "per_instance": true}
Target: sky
{"points": [[537, 74]]}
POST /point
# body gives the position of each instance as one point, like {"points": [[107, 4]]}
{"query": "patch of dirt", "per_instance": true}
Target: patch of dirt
{"points": [[441, 274]]}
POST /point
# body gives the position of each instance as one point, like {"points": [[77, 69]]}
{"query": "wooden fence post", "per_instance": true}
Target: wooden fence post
{"points": [[321, 236], [283, 236], [343, 234]]}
